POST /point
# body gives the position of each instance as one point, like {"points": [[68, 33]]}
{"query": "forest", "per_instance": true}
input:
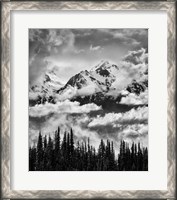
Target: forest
{"points": [[66, 155]]}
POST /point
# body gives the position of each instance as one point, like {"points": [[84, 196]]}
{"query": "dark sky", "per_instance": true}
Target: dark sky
{"points": [[69, 51]]}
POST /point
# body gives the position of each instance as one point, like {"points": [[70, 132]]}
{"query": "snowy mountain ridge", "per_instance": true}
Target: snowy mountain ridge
{"points": [[44, 89], [96, 85]]}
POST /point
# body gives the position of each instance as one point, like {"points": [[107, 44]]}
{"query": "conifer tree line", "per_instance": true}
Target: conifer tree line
{"points": [[56, 155]]}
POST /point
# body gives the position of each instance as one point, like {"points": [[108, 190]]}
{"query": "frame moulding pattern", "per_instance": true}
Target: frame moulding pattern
{"points": [[7, 7]]}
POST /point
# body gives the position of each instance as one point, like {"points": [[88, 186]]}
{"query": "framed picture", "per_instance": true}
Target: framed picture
{"points": [[88, 99]]}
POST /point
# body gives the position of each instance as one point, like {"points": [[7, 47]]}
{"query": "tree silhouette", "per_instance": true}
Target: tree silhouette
{"points": [[54, 154], [57, 149], [39, 159]]}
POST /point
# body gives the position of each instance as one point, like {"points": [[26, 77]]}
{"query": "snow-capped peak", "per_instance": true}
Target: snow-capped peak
{"points": [[102, 80], [45, 87], [51, 78], [104, 64]]}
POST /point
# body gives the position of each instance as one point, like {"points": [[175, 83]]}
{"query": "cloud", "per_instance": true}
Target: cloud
{"points": [[130, 126], [54, 38], [51, 39], [46, 118], [139, 115], [78, 51], [133, 99], [137, 57], [88, 90], [61, 108], [133, 66], [135, 131], [80, 48], [33, 95], [38, 35], [96, 48], [44, 43], [130, 37], [61, 49]]}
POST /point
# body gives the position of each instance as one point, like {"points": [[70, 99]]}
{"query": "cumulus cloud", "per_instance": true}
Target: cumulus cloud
{"points": [[134, 66], [135, 131], [61, 108], [133, 99], [46, 42], [139, 115], [137, 57], [65, 122], [46, 118], [87, 90], [96, 48], [130, 126]]}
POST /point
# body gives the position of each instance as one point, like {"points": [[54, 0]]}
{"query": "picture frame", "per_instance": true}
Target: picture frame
{"points": [[6, 119]]}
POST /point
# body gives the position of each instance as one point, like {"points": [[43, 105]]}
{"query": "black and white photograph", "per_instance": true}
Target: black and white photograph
{"points": [[88, 99]]}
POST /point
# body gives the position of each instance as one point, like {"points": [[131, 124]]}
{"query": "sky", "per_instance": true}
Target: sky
{"points": [[131, 125], [69, 51]]}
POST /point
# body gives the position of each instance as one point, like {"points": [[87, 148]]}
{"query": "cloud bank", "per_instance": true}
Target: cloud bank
{"points": [[139, 115], [61, 108], [133, 99], [89, 121]]}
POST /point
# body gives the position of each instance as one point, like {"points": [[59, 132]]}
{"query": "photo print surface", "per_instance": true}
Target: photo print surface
{"points": [[88, 99]]}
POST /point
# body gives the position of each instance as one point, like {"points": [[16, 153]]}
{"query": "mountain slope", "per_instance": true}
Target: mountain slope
{"points": [[86, 83], [97, 85], [44, 89]]}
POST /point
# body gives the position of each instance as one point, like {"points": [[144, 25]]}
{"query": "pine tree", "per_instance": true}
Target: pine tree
{"points": [[57, 149], [78, 157], [135, 157], [39, 162], [139, 159], [32, 159], [133, 167], [128, 158], [89, 156], [72, 151], [112, 158], [122, 157], [71, 142], [45, 153], [45, 142], [68, 152], [63, 146], [49, 155], [145, 160], [64, 153], [101, 155]]}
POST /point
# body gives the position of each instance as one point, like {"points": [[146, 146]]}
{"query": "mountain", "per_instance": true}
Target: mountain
{"points": [[137, 87], [105, 72], [86, 83], [45, 88], [98, 85]]}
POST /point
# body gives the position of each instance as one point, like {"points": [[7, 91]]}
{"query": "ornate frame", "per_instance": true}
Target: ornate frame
{"points": [[7, 7]]}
